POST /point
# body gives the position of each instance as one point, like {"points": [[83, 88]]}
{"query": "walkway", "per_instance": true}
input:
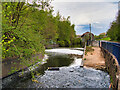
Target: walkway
{"points": [[95, 59]]}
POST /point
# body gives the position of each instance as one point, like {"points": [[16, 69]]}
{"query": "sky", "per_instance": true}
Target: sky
{"points": [[98, 13]]}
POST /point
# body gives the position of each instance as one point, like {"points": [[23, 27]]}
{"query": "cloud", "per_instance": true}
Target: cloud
{"points": [[100, 14], [83, 13]]}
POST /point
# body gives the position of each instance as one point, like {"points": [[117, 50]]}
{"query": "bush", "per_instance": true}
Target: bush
{"points": [[67, 43], [77, 41], [61, 43]]}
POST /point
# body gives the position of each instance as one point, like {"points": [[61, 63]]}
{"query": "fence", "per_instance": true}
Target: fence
{"points": [[113, 48]]}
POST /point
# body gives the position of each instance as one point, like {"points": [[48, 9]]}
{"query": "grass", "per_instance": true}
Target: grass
{"points": [[106, 39], [109, 39], [88, 49]]}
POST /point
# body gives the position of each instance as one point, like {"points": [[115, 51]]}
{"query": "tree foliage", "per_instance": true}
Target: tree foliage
{"points": [[27, 28], [114, 31], [66, 32]]}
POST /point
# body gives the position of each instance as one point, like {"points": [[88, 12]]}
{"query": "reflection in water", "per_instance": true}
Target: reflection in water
{"points": [[56, 61], [59, 61]]}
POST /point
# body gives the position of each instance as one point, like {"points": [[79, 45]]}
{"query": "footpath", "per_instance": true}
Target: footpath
{"points": [[94, 59]]}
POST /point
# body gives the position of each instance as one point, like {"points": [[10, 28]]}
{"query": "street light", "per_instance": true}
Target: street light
{"points": [[90, 35], [90, 32]]}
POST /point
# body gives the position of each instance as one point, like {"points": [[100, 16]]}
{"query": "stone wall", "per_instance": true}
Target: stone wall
{"points": [[112, 67]]}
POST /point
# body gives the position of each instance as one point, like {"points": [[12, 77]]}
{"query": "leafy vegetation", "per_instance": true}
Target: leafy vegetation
{"points": [[77, 42], [113, 34], [19, 36], [26, 29], [102, 36], [106, 39], [114, 31]]}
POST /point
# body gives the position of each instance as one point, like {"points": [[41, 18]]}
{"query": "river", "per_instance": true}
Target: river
{"points": [[69, 75]]}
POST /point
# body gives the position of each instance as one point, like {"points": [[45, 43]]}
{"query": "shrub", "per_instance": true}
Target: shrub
{"points": [[61, 43], [67, 43]]}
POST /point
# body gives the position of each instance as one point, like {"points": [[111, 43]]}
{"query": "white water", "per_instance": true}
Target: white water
{"points": [[65, 51], [77, 62]]}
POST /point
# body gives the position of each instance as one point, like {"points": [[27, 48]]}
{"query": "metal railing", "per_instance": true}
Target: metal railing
{"points": [[113, 48]]}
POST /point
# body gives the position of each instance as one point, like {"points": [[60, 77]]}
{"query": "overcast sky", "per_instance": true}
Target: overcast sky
{"points": [[100, 13], [86, 0]]}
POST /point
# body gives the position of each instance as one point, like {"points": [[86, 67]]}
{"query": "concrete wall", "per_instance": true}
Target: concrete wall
{"points": [[52, 46], [9, 64], [112, 67], [95, 43]]}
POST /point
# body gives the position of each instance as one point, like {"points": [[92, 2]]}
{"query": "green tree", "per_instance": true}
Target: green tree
{"points": [[17, 34], [66, 31], [114, 31]]}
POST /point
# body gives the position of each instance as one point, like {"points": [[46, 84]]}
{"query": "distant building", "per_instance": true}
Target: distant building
{"points": [[103, 35], [86, 36]]}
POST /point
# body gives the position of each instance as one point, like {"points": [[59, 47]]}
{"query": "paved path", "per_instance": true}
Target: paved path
{"points": [[94, 59]]}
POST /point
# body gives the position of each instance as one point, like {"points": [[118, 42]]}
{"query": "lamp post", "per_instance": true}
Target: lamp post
{"points": [[90, 33], [90, 36]]}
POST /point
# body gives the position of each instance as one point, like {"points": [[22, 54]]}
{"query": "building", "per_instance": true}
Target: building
{"points": [[87, 36], [103, 35]]}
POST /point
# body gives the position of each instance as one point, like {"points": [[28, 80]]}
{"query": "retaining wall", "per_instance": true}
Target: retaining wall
{"points": [[112, 67], [52, 46], [14, 63]]}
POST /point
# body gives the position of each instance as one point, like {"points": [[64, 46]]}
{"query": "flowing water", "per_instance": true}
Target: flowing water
{"points": [[69, 75]]}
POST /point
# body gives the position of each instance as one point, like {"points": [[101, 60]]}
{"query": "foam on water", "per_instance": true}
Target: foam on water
{"points": [[65, 51], [77, 62]]}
